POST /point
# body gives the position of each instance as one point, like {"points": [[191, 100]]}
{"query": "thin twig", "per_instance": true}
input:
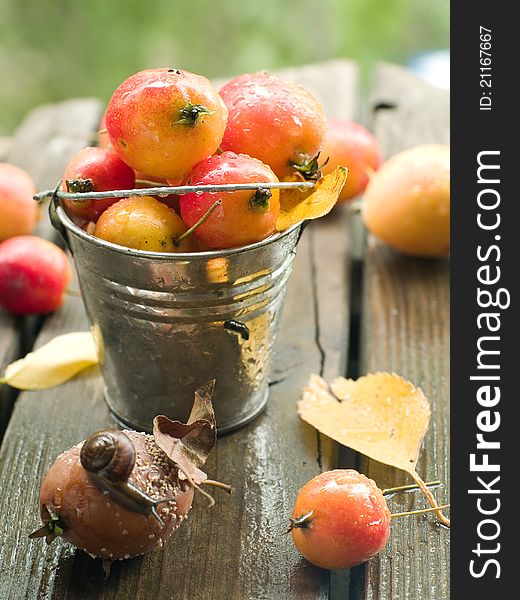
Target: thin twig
{"points": [[224, 486], [420, 511], [146, 182], [412, 486], [178, 239], [431, 500]]}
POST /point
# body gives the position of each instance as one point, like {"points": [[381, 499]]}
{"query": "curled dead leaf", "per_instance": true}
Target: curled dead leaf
{"points": [[53, 363], [381, 415], [298, 205], [189, 444]]}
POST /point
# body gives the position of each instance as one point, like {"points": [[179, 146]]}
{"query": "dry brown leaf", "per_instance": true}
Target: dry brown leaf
{"points": [[53, 363], [381, 415], [189, 444], [297, 206]]}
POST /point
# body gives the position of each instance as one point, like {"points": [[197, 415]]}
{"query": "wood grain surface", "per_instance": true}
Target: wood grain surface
{"points": [[237, 550], [405, 329]]}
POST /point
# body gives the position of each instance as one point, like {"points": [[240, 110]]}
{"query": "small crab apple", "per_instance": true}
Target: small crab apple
{"points": [[407, 201], [143, 223], [243, 217], [164, 121], [18, 211], [34, 275], [95, 170], [279, 122], [350, 145], [340, 519]]}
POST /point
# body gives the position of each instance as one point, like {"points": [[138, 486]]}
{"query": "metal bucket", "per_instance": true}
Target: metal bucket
{"points": [[166, 323]]}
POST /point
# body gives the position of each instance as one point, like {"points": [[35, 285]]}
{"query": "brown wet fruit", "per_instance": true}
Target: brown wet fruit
{"points": [[119, 494], [87, 515]]}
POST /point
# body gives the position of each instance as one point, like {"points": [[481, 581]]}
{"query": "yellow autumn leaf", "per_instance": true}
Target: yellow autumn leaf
{"points": [[380, 415], [298, 205], [290, 197], [53, 363]]}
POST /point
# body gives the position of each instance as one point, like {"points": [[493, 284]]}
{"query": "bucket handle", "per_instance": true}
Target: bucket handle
{"points": [[55, 219]]}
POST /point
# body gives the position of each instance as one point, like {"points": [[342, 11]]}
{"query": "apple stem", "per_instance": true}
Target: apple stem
{"points": [[178, 239], [191, 113], [413, 486], [259, 202], [311, 170], [79, 186], [420, 511], [51, 529], [431, 500], [227, 488], [300, 522], [146, 182]]}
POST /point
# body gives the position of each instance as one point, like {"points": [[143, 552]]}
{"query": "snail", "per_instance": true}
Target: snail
{"points": [[109, 457], [119, 494]]}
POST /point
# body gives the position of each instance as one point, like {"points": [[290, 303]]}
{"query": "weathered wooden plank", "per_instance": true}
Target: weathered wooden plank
{"points": [[10, 348], [5, 146], [238, 549], [50, 135], [405, 329], [42, 145]]}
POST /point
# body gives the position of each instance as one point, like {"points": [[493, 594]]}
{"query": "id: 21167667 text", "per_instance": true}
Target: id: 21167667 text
{"points": [[485, 69]]}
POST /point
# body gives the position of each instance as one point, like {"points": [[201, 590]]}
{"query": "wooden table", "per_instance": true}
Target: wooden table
{"points": [[354, 306]]}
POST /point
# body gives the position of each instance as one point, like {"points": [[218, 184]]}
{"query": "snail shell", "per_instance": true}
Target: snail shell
{"points": [[110, 454]]}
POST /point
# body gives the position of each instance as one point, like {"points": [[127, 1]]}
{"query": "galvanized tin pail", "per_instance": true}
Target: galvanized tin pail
{"points": [[167, 323]]}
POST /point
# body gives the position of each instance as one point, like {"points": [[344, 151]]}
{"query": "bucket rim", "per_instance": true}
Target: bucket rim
{"points": [[66, 221]]}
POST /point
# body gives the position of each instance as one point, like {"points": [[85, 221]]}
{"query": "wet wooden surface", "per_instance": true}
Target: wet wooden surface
{"points": [[238, 549], [405, 329]]}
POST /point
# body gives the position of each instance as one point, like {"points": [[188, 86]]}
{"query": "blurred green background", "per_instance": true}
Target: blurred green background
{"points": [[55, 49]]}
